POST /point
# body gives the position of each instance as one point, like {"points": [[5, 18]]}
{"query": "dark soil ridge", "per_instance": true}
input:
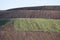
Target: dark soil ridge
{"points": [[50, 14], [37, 8]]}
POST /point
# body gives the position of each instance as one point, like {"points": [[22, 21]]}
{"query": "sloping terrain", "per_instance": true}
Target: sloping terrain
{"points": [[7, 31], [51, 14], [35, 35], [37, 8], [29, 35], [36, 24], [32, 12]]}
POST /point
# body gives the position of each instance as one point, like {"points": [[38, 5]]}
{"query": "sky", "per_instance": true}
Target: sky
{"points": [[7, 4]]}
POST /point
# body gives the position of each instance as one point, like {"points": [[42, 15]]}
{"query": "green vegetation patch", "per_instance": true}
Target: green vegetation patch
{"points": [[3, 22], [37, 24]]}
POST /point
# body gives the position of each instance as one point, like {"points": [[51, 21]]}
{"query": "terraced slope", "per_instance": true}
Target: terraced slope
{"points": [[50, 14], [9, 32]]}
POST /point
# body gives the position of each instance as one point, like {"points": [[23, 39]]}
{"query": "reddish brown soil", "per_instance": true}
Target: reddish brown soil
{"points": [[51, 14], [8, 33], [19, 35]]}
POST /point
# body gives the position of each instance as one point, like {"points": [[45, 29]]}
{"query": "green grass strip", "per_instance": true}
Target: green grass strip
{"points": [[37, 24]]}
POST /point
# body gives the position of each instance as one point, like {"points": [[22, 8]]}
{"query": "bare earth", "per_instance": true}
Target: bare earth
{"points": [[8, 33], [51, 14]]}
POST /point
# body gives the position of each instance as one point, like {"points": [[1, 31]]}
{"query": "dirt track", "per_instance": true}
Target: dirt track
{"points": [[8, 33]]}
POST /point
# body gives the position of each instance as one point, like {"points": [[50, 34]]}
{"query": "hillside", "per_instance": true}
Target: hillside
{"points": [[30, 23], [51, 12]]}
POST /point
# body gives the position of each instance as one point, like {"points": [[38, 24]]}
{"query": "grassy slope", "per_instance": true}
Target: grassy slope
{"points": [[35, 24]]}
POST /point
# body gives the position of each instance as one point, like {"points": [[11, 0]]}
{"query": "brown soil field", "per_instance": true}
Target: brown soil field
{"points": [[19, 35], [51, 14], [8, 33]]}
